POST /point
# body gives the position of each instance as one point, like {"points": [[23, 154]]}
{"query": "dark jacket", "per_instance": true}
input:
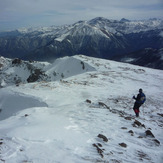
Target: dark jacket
{"points": [[138, 98]]}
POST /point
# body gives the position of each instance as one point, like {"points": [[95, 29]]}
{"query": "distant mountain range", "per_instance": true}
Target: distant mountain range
{"points": [[136, 42]]}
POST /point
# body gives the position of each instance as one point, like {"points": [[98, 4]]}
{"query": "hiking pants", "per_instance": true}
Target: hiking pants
{"points": [[136, 108]]}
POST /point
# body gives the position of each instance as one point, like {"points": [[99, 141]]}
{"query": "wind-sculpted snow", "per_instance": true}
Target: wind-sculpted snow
{"points": [[87, 117], [68, 66]]}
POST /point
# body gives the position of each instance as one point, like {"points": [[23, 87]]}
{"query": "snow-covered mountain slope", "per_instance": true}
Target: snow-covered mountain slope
{"points": [[126, 26], [99, 37], [86, 117]]}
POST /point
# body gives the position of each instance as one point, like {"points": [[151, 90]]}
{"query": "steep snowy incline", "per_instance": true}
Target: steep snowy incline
{"points": [[87, 118]]}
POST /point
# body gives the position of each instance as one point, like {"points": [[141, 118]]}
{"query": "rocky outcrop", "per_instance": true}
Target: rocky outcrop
{"points": [[38, 74], [16, 61]]}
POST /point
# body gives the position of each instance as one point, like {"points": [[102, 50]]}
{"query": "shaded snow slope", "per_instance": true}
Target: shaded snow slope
{"points": [[81, 107], [12, 102]]}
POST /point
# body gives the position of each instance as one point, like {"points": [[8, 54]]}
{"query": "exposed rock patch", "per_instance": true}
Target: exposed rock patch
{"points": [[103, 137], [124, 128], [89, 101], [128, 118], [104, 105], [160, 114], [143, 156], [35, 76], [17, 61], [131, 132], [99, 150], [123, 145], [156, 142], [149, 134], [138, 124]]}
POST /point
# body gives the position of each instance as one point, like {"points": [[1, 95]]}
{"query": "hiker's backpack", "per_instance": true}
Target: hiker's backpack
{"points": [[143, 98]]}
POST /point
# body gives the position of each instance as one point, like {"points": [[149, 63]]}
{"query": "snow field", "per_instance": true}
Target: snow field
{"points": [[55, 124]]}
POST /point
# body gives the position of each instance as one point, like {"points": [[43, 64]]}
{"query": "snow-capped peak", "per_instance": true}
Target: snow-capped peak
{"points": [[124, 26]]}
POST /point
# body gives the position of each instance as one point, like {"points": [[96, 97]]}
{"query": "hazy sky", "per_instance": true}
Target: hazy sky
{"points": [[30, 13]]}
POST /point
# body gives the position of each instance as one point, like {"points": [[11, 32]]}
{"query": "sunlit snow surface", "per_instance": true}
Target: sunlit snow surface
{"points": [[51, 122]]}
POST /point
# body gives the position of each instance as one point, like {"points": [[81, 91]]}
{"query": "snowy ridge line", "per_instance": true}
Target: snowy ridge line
{"points": [[18, 72]]}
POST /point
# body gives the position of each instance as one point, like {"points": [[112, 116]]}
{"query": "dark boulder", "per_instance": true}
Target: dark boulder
{"points": [[138, 124], [35, 76], [88, 101], [156, 142], [123, 145], [103, 137], [149, 133], [32, 78], [100, 151]]}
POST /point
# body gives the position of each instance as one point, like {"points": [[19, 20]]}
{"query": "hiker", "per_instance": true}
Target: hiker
{"points": [[140, 99]]}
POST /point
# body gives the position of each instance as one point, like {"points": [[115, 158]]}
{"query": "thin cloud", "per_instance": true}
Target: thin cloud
{"points": [[17, 13]]}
